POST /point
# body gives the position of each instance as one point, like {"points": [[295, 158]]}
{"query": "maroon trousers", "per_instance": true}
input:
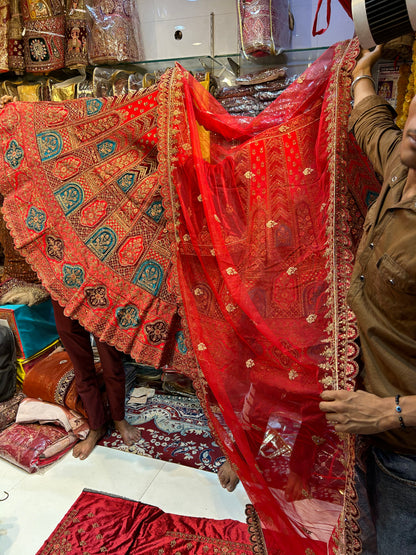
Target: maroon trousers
{"points": [[77, 343]]}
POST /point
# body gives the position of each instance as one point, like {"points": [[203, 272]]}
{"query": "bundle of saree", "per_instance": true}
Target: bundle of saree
{"points": [[221, 246], [263, 26], [15, 47], [44, 35], [76, 48], [113, 35], [4, 22]]}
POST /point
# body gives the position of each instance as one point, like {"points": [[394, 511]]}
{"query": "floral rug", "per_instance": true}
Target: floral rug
{"points": [[173, 429]]}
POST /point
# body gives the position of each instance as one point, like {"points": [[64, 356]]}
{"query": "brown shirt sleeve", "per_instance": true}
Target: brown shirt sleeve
{"points": [[372, 123]]}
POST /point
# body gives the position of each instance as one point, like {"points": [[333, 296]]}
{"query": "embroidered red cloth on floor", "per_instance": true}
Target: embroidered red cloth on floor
{"points": [[219, 245], [99, 522]]}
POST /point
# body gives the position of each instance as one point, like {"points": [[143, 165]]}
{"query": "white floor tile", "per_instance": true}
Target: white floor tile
{"points": [[37, 502], [188, 491], [10, 477]]}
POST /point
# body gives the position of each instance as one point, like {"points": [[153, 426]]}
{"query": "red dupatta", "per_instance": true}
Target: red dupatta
{"points": [[216, 244], [260, 217]]}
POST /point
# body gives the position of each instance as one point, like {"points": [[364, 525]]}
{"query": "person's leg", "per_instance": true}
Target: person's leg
{"points": [[395, 502], [114, 379], [77, 343]]}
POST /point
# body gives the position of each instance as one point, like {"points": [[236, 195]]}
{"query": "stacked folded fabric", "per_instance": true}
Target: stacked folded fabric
{"points": [[253, 92]]}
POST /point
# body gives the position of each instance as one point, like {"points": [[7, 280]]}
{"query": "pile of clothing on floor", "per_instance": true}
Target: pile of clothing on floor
{"points": [[41, 413], [45, 417]]}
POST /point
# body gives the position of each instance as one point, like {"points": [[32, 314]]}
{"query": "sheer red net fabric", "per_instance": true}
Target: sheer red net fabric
{"points": [[219, 245], [260, 213]]}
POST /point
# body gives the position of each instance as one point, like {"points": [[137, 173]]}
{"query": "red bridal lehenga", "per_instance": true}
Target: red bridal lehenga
{"points": [[221, 246]]}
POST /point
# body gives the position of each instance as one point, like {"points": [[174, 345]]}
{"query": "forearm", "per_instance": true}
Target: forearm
{"points": [[408, 406], [360, 412], [387, 417], [365, 86], [362, 88]]}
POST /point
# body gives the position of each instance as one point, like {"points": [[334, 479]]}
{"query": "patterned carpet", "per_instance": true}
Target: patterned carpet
{"points": [[173, 429]]}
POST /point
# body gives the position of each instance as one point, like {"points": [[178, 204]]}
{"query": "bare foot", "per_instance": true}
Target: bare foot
{"points": [[129, 434], [83, 448], [227, 477]]}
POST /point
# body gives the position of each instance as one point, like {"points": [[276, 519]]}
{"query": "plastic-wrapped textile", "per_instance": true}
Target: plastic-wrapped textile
{"points": [[263, 76], [84, 89], [4, 24], [135, 82], [16, 57], [268, 96], [120, 81], [113, 32], [250, 99], [44, 38], [33, 446], [275, 85], [263, 27], [246, 104], [32, 92], [9, 87], [64, 90], [234, 92], [76, 47], [101, 82], [108, 81]]}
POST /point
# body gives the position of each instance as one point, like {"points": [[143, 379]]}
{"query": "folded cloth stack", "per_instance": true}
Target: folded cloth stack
{"points": [[253, 92], [43, 433]]}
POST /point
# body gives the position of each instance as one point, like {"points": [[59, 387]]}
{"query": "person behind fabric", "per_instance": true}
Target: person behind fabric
{"points": [[382, 294], [77, 343]]}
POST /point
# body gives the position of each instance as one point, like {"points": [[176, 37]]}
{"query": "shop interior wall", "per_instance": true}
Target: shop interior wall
{"points": [[161, 19]]}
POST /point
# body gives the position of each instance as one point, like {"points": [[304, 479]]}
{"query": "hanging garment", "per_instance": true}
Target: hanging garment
{"points": [[221, 246]]}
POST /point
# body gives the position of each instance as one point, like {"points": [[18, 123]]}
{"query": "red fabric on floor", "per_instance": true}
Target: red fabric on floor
{"points": [[99, 522]]}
